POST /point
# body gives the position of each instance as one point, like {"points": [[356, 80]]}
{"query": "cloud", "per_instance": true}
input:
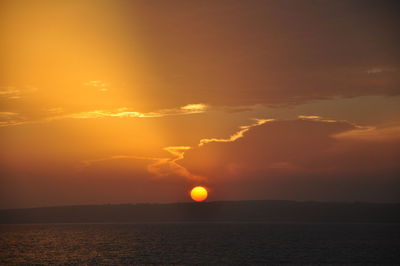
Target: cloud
{"points": [[238, 134], [10, 119], [170, 166], [98, 85], [375, 71], [123, 112], [119, 180], [378, 70], [302, 159], [12, 92], [278, 142], [372, 134], [337, 157], [289, 149], [8, 114], [238, 61], [247, 62], [157, 167], [166, 166], [194, 108]]}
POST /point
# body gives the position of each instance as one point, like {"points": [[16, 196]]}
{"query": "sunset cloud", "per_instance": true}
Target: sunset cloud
{"points": [[199, 107], [253, 64], [121, 112], [5, 118], [275, 143], [98, 84], [304, 150], [158, 167], [371, 133], [271, 152], [238, 134], [12, 92], [170, 166], [124, 112], [10, 118]]}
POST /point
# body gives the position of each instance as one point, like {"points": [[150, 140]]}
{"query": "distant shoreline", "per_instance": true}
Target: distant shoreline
{"points": [[258, 211], [204, 202]]}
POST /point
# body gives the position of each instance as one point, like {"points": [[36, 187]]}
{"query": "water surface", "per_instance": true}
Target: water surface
{"points": [[208, 243]]}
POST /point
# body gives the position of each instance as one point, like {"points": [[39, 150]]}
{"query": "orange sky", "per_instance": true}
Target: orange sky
{"points": [[139, 101]]}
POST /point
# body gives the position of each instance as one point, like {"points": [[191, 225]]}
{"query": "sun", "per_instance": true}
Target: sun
{"points": [[199, 193]]}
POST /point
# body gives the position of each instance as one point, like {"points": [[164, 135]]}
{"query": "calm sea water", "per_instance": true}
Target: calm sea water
{"points": [[219, 243]]}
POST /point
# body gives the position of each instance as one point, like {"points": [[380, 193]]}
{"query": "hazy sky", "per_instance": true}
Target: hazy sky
{"points": [[138, 101]]}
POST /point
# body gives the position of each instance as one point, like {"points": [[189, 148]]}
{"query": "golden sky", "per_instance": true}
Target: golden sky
{"points": [[123, 101]]}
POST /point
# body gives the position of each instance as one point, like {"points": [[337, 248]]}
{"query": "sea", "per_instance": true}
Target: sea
{"points": [[200, 244]]}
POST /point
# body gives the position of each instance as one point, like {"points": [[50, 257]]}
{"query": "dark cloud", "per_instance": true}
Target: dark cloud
{"points": [[114, 181], [215, 52], [295, 157], [271, 52]]}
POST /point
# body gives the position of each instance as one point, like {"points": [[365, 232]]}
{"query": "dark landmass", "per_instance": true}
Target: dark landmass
{"points": [[219, 211]]}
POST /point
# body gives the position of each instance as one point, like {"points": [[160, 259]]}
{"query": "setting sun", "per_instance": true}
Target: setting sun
{"points": [[199, 193]]}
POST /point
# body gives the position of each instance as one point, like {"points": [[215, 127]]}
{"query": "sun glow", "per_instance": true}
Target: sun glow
{"points": [[199, 193]]}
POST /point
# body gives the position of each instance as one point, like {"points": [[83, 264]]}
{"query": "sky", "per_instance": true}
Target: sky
{"points": [[108, 102]]}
